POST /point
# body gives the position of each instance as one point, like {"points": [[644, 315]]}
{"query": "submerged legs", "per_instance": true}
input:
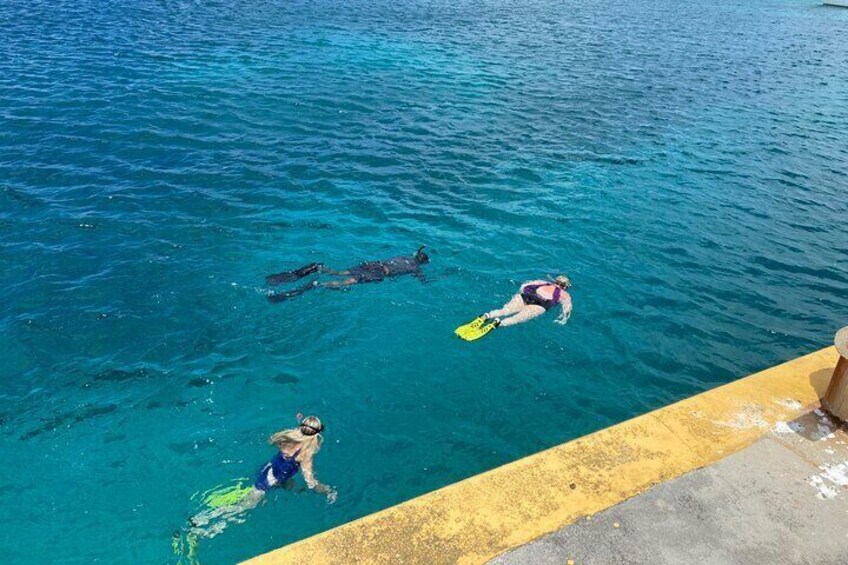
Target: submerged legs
{"points": [[527, 313], [212, 522], [514, 305], [339, 284], [306, 270]]}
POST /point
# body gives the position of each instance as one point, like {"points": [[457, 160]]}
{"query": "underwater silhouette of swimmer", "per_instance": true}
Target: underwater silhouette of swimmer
{"points": [[370, 271]]}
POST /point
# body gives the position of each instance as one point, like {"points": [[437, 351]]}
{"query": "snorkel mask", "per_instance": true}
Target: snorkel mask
{"points": [[561, 281], [420, 256], [309, 429]]}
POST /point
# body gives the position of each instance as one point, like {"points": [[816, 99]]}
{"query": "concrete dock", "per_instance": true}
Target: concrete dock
{"points": [[745, 473], [777, 502]]}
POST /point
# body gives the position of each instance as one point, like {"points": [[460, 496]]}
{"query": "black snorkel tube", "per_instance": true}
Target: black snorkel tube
{"points": [[420, 256]]}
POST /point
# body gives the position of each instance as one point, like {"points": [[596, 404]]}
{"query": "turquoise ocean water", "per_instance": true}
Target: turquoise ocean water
{"points": [[684, 163]]}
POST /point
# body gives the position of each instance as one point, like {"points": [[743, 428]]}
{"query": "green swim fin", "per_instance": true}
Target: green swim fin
{"points": [[185, 550], [224, 495], [177, 545], [227, 496], [476, 329], [191, 542]]}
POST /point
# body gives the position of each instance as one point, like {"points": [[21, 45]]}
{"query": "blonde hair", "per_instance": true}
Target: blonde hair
{"points": [[308, 444], [563, 281]]}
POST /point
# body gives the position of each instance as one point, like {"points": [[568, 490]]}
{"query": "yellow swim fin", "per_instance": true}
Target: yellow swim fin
{"points": [[473, 325], [475, 329]]}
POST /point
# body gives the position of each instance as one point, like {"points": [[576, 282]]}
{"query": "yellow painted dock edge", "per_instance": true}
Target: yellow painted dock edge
{"points": [[474, 520]]}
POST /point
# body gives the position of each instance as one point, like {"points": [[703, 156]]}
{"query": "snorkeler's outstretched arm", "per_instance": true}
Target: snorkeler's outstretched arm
{"points": [[309, 474], [565, 302], [312, 482]]}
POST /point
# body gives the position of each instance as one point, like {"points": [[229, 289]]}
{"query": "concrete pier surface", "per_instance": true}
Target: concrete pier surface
{"points": [[744, 473], [780, 501]]}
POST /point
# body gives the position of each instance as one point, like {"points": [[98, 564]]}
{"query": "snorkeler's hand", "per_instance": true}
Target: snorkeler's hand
{"points": [[332, 496], [562, 319]]}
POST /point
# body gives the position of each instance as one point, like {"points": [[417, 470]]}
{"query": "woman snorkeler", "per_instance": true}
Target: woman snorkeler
{"points": [[297, 449], [533, 299]]}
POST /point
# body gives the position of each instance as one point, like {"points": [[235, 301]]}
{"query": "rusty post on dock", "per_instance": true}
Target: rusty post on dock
{"points": [[836, 398]]}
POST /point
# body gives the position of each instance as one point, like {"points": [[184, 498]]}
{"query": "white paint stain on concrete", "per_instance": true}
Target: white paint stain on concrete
{"points": [[830, 481], [788, 428], [790, 403], [824, 427], [750, 417], [825, 491]]}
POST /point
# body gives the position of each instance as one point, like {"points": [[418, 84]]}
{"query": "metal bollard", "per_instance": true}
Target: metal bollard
{"points": [[836, 398]]}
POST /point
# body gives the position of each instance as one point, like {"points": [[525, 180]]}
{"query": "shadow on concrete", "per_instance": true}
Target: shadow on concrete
{"points": [[817, 425], [820, 379]]}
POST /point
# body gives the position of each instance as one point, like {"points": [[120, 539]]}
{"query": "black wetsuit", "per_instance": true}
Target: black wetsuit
{"points": [[375, 271], [370, 271]]}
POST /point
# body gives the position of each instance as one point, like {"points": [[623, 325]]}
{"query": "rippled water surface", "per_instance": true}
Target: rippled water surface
{"points": [[685, 164]]}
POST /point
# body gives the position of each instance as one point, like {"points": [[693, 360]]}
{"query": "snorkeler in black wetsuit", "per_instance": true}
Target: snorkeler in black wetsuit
{"points": [[370, 271]]}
